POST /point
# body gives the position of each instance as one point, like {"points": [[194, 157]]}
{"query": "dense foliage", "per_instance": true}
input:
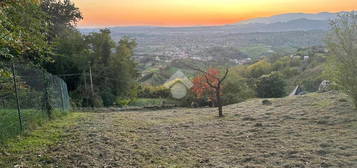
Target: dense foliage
{"points": [[23, 32], [271, 86], [201, 87], [153, 92], [43, 32], [342, 44], [274, 76], [113, 73]]}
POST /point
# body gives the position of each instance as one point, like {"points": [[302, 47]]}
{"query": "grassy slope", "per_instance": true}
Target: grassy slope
{"points": [[24, 147], [31, 118], [315, 130]]}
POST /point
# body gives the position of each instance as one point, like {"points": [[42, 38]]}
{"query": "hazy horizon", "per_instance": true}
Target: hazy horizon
{"points": [[175, 13]]}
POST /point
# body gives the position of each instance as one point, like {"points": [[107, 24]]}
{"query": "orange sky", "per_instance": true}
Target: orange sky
{"points": [[196, 12]]}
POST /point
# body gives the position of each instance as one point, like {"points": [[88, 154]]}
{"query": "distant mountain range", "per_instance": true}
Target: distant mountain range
{"points": [[252, 38], [323, 16]]}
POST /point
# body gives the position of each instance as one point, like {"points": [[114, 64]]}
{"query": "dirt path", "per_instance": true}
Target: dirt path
{"points": [[307, 131]]}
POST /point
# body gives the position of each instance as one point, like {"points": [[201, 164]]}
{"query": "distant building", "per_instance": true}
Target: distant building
{"points": [[245, 61], [296, 57], [179, 85], [236, 61]]}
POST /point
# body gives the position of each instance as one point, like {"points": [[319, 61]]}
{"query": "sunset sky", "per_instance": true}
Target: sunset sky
{"points": [[196, 12]]}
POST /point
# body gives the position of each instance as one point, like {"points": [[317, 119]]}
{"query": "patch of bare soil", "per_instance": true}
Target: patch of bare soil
{"points": [[312, 131]]}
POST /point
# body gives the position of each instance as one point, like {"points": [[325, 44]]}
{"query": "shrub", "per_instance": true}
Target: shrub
{"points": [[311, 85], [95, 101], [122, 102], [235, 90], [289, 72], [271, 86], [259, 68], [153, 92], [108, 97], [281, 63]]}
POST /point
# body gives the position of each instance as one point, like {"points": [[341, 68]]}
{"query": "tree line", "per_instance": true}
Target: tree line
{"points": [[43, 33]]}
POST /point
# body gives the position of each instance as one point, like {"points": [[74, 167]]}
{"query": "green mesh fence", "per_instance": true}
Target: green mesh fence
{"points": [[28, 98]]}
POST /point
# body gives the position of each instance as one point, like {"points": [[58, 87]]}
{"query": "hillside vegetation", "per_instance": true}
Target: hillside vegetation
{"points": [[314, 130]]}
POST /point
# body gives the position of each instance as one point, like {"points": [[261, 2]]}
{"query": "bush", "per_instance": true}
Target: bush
{"points": [[235, 90], [281, 63], [153, 92], [260, 68], [108, 97], [271, 86], [191, 100], [289, 72], [122, 102], [311, 85], [95, 101]]}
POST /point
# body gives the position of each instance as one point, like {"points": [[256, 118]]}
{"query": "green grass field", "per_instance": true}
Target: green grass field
{"points": [[31, 118], [37, 140], [145, 102]]}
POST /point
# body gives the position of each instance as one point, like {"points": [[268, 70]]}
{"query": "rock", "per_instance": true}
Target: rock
{"points": [[194, 105], [248, 119], [258, 125], [5, 153], [267, 102], [324, 86]]}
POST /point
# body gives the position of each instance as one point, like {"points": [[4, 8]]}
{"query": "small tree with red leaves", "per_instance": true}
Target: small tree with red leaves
{"points": [[210, 84]]}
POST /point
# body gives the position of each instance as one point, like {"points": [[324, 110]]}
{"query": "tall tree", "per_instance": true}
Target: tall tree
{"points": [[342, 42], [23, 31], [124, 67], [69, 46], [62, 14]]}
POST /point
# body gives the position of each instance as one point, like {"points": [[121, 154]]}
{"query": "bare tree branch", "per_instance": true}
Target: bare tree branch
{"points": [[225, 76], [209, 83]]}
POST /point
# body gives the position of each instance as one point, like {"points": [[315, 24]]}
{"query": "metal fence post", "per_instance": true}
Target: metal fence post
{"points": [[62, 96], [46, 102], [17, 96]]}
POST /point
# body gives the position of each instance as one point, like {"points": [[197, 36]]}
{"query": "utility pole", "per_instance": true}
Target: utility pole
{"points": [[85, 80]]}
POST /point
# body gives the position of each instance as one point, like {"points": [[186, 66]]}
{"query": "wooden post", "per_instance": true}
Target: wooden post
{"points": [[17, 96]]}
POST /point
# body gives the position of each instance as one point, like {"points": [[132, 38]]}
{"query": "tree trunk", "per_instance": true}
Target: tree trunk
{"points": [[219, 103]]}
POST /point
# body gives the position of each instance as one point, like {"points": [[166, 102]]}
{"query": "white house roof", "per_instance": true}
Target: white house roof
{"points": [[179, 76]]}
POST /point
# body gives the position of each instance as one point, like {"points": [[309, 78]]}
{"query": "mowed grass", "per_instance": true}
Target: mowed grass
{"points": [[146, 102], [31, 118], [150, 102], [314, 130]]}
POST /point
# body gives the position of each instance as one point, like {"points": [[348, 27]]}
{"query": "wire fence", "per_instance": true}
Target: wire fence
{"points": [[29, 97]]}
